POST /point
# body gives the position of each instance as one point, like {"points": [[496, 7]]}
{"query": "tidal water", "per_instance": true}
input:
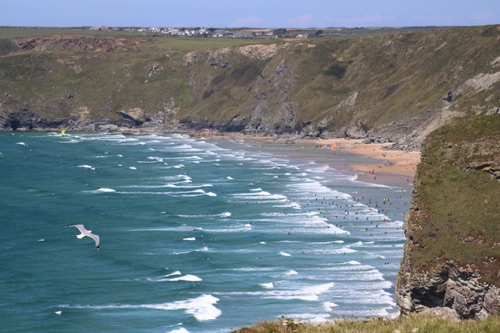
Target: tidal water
{"points": [[197, 235]]}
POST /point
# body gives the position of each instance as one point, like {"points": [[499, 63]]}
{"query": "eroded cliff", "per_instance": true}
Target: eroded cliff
{"points": [[451, 258], [396, 86]]}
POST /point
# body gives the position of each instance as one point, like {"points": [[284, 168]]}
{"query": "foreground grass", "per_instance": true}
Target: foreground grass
{"points": [[418, 324]]}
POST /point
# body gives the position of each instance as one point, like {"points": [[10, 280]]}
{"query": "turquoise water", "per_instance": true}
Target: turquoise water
{"points": [[197, 235]]}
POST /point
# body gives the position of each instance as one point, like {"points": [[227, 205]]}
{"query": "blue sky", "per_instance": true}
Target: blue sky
{"points": [[251, 13]]}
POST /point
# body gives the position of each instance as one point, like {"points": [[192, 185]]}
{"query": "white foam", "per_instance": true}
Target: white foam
{"points": [[261, 195], [328, 306], [284, 254], [310, 293], [342, 250], [189, 239], [179, 330], [291, 272], [269, 285], [173, 185], [105, 190], [293, 205], [86, 166], [202, 307], [188, 278], [132, 168], [156, 159], [194, 193]]}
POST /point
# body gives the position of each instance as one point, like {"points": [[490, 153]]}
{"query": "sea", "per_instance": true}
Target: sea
{"points": [[196, 234]]}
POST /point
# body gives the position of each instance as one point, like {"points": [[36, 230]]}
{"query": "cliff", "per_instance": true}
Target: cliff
{"points": [[451, 257], [396, 86]]}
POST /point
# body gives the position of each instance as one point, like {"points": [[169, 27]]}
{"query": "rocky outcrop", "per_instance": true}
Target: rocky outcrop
{"points": [[451, 286], [451, 257], [386, 88], [24, 120], [78, 43]]}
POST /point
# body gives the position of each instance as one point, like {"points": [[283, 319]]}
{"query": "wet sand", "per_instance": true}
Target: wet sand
{"points": [[392, 177], [384, 161], [386, 167]]}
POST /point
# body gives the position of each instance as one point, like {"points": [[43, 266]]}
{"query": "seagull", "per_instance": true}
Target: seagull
{"points": [[84, 232]]}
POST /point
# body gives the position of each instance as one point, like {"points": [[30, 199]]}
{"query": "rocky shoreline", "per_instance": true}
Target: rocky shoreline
{"points": [[136, 123]]}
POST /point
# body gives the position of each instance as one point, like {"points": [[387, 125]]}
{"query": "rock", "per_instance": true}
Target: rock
{"points": [[440, 312], [356, 131], [107, 128], [154, 69], [136, 115], [460, 280]]}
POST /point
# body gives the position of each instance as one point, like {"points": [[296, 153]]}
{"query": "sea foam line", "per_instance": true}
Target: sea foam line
{"points": [[202, 307]]}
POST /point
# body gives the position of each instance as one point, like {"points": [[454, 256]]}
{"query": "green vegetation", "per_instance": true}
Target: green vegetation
{"points": [[419, 324], [21, 32], [385, 76], [457, 202], [337, 70]]}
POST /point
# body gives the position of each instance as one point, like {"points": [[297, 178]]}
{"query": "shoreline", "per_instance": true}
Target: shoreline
{"points": [[383, 166], [384, 160]]}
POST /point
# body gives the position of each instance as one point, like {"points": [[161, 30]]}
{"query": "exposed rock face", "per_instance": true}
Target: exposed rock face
{"points": [[387, 88], [452, 287], [24, 120], [88, 43], [451, 258], [136, 115]]}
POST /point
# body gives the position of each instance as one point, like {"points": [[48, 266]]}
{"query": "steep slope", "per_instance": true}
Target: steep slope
{"points": [[452, 253], [393, 85]]}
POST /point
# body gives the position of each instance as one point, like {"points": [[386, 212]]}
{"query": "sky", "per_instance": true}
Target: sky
{"points": [[251, 13]]}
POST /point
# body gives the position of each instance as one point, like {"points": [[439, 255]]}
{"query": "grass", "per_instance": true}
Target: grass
{"points": [[419, 324], [458, 205], [22, 32], [395, 76]]}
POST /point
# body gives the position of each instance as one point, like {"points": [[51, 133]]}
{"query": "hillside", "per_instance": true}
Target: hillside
{"points": [[391, 86], [452, 252]]}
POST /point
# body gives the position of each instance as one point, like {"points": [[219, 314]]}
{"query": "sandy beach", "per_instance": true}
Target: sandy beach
{"points": [[385, 161], [382, 166]]}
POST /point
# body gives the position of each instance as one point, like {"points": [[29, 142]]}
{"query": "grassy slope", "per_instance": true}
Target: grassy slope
{"points": [[456, 209], [405, 324], [396, 76]]}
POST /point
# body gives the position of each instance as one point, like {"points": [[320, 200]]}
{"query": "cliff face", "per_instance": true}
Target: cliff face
{"points": [[451, 258], [399, 86]]}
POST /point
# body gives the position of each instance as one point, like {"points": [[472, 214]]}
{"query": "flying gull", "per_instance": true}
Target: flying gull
{"points": [[84, 232]]}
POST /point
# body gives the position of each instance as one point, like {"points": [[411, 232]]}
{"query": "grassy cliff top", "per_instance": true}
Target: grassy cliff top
{"points": [[403, 324], [455, 213], [270, 85]]}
